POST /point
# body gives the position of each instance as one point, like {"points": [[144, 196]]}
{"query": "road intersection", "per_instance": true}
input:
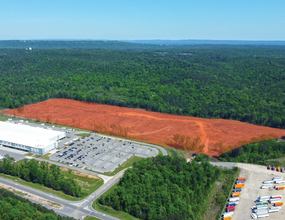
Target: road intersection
{"points": [[76, 209]]}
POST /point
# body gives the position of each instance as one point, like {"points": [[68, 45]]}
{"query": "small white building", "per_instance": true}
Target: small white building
{"points": [[31, 139]]}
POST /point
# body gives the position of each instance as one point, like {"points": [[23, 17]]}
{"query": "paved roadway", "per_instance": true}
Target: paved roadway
{"points": [[71, 208], [229, 165]]}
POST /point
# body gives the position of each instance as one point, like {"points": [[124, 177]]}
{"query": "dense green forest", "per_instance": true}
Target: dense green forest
{"points": [[244, 83], [13, 207], [257, 153], [43, 173], [164, 188]]}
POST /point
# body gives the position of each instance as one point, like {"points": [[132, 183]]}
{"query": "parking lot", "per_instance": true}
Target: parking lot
{"points": [[100, 154], [255, 175]]}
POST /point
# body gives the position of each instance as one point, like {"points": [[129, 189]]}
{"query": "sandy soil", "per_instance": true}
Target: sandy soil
{"points": [[39, 199], [152, 127]]}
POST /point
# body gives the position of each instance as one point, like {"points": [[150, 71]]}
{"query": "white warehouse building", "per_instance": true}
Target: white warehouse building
{"points": [[32, 139]]}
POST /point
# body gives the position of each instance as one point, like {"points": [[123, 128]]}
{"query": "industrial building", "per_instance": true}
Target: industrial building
{"points": [[20, 135]]}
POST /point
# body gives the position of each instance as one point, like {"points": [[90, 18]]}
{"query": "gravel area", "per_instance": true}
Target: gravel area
{"points": [[255, 175]]}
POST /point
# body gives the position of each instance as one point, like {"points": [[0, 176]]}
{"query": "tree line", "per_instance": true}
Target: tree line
{"points": [[164, 188], [42, 173], [242, 83], [13, 207], [256, 153]]}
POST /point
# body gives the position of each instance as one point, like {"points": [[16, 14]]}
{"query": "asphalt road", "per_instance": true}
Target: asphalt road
{"points": [[229, 165], [75, 209], [70, 208]]}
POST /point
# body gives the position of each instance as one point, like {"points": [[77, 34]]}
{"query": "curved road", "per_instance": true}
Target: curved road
{"points": [[70, 208]]}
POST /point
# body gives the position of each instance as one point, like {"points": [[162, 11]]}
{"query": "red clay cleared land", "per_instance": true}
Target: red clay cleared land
{"points": [[209, 136]]}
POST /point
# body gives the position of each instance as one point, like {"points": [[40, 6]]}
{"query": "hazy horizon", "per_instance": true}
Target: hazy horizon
{"points": [[148, 20]]}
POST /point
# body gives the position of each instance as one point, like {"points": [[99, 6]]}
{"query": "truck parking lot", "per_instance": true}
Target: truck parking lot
{"points": [[100, 154], [255, 175]]}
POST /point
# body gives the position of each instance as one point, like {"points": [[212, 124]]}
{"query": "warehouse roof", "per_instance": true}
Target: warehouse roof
{"points": [[24, 134]]}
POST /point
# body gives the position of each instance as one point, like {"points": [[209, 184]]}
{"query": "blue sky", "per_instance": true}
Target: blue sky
{"points": [[143, 19]]}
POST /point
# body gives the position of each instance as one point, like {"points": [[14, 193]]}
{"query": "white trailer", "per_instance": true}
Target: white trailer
{"points": [[268, 181], [264, 197], [262, 215], [273, 197], [274, 209], [274, 200], [279, 181], [233, 199], [228, 214], [277, 178]]}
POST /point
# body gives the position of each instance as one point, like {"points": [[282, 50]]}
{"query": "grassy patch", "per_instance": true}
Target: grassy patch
{"points": [[220, 195], [126, 164], [29, 154], [91, 218], [277, 162], [45, 156], [112, 212], [83, 135], [87, 183]]}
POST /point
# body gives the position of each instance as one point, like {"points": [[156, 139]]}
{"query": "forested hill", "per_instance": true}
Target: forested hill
{"points": [[230, 82], [80, 44]]}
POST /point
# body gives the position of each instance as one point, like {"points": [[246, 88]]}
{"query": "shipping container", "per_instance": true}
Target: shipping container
{"points": [[235, 194], [276, 197], [231, 207], [266, 186], [259, 207], [261, 200], [227, 218], [259, 212], [264, 197], [237, 190], [274, 200], [262, 215], [280, 188], [238, 186], [233, 199], [264, 203], [279, 181], [278, 203], [273, 209], [268, 181], [227, 214], [277, 178], [240, 182]]}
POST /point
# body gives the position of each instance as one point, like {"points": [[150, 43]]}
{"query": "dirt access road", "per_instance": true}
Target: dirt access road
{"points": [[152, 127], [255, 175]]}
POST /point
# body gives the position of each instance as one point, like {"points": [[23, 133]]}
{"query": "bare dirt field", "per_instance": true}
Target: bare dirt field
{"points": [[209, 136], [255, 175]]}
